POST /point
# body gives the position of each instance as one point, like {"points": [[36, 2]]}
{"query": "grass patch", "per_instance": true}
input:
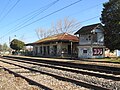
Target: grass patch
{"points": [[114, 59]]}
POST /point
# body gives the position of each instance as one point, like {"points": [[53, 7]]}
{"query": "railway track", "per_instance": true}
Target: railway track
{"points": [[33, 66], [85, 72], [84, 84], [99, 68], [13, 68], [30, 81]]}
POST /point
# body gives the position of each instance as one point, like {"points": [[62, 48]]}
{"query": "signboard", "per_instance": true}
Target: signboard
{"points": [[97, 51]]}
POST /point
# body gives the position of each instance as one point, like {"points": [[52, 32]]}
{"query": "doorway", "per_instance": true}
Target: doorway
{"points": [[69, 49], [55, 49]]}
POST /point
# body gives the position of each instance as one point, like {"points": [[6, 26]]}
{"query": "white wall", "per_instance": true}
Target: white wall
{"points": [[100, 36], [89, 53], [118, 53], [85, 39], [81, 53], [89, 38]]}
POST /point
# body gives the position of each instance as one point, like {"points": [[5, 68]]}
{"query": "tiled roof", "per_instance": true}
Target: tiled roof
{"points": [[88, 29], [58, 37]]}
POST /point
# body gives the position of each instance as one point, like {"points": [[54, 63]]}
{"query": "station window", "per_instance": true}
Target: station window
{"points": [[84, 51]]}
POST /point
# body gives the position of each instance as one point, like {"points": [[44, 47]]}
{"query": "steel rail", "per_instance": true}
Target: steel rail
{"points": [[78, 82], [71, 70], [103, 69], [31, 82]]}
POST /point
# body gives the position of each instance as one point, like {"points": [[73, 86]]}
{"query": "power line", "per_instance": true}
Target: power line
{"points": [[43, 7], [76, 24], [71, 14], [88, 8], [89, 19], [45, 16], [86, 21], [33, 16], [10, 10], [36, 14], [53, 13], [33, 12], [4, 9], [80, 22], [48, 15]]}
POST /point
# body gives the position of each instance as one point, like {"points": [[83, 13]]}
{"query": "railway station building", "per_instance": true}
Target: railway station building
{"points": [[91, 41], [60, 45]]}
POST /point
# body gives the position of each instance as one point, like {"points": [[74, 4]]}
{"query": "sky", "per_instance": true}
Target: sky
{"points": [[20, 18]]}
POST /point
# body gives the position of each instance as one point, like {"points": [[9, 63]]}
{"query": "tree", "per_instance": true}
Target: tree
{"points": [[0, 47], [110, 17], [41, 33], [17, 44], [5, 47], [65, 25]]}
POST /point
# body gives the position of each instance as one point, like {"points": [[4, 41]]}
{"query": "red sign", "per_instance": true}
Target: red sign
{"points": [[97, 51]]}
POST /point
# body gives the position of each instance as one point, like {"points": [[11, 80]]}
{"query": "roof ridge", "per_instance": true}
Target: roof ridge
{"points": [[91, 25], [88, 28]]}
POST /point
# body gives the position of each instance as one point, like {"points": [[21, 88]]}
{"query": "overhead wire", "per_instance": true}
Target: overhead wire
{"points": [[54, 13], [86, 19], [48, 15], [9, 10], [81, 22], [4, 9], [31, 14], [70, 26], [37, 12], [84, 10], [76, 24]]}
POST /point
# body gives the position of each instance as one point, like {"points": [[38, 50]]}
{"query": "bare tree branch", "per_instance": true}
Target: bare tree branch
{"points": [[65, 25], [40, 33]]}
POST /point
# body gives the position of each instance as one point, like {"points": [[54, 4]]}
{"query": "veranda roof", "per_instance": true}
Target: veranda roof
{"points": [[59, 37]]}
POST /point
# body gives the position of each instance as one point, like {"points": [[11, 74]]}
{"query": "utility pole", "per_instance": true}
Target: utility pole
{"points": [[9, 40], [71, 49]]}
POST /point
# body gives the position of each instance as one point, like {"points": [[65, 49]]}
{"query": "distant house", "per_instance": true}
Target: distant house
{"points": [[60, 45], [91, 41]]}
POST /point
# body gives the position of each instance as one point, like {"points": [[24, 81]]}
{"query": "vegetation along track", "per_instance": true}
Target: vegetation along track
{"points": [[110, 81]]}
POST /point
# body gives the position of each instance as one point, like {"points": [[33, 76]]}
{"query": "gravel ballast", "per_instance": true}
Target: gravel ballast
{"points": [[46, 80], [107, 83], [10, 82]]}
